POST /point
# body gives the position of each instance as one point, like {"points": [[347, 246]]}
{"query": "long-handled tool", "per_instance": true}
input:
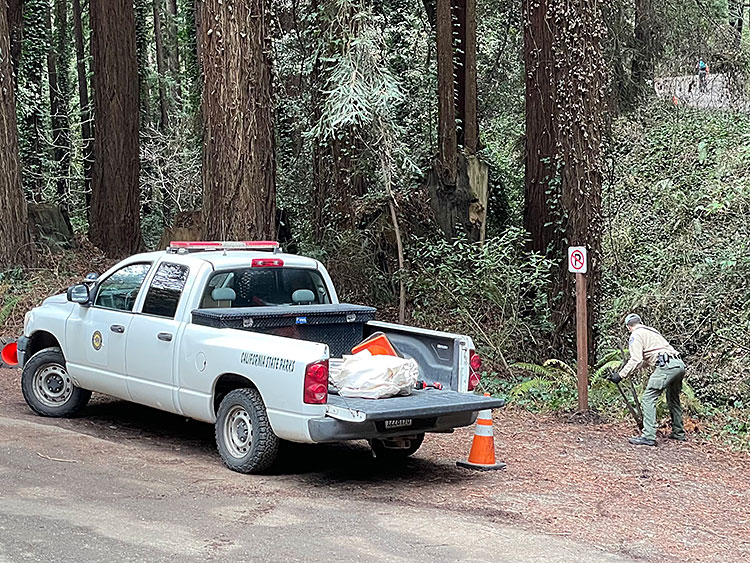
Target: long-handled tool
{"points": [[635, 411]]}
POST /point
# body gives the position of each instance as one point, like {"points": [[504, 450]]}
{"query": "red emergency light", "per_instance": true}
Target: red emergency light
{"points": [[203, 245]]}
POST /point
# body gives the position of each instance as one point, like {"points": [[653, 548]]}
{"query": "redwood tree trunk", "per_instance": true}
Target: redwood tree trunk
{"points": [[14, 230], [115, 207], [172, 51], [540, 139], [33, 143], [646, 49], [15, 23], [85, 108], [447, 141], [239, 168], [161, 68], [580, 77], [142, 15], [465, 65], [59, 94]]}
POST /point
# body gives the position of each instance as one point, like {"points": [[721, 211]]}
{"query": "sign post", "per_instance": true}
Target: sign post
{"points": [[578, 263]]}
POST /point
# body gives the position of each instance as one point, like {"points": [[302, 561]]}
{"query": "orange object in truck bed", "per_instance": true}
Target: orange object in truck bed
{"points": [[377, 344]]}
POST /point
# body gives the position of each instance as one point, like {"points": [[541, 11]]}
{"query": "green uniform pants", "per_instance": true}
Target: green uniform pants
{"points": [[670, 378]]}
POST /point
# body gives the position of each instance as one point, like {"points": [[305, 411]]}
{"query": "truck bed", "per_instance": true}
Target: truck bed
{"points": [[421, 403]]}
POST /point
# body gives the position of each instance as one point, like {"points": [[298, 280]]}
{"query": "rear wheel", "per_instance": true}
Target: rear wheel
{"points": [[394, 449], [244, 436], [48, 388]]}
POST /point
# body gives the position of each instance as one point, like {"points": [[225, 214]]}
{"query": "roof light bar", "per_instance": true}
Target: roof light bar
{"points": [[183, 246]]}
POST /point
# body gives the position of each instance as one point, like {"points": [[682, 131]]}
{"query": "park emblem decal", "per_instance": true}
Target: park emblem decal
{"points": [[96, 340]]}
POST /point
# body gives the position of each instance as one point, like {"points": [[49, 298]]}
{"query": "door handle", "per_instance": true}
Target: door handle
{"points": [[119, 329], [165, 336]]}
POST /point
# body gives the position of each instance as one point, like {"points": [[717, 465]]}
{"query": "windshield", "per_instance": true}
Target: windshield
{"points": [[263, 287]]}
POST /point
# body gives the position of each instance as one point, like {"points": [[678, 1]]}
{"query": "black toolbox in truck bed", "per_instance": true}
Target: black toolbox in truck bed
{"points": [[340, 326]]}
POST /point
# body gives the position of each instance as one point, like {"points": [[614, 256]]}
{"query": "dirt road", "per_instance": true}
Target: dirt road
{"points": [[126, 483]]}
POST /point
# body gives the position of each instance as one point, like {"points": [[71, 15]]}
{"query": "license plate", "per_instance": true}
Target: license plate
{"points": [[397, 423]]}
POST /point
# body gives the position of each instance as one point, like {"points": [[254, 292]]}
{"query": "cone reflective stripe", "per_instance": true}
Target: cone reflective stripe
{"points": [[482, 454]]}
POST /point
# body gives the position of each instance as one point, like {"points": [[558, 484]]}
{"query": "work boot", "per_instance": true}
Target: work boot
{"points": [[678, 437], [641, 441]]}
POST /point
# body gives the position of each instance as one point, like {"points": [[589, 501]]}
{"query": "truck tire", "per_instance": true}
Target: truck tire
{"points": [[244, 436], [48, 388], [382, 452]]}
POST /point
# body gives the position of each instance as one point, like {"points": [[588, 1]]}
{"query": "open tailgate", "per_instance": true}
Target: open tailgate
{"points": [[421, 403]]}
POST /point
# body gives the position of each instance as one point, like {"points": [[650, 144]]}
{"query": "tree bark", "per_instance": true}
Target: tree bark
{"points": [[15, 23], [115, 206], [161, 69], [34, 107], [142, 41], [14, 229], [646, 49], [87, 136], [59, 94], [172, 50], [580, 76], [239, 168], [469, 59], [190, 52], [539, 191], [447, 141]]}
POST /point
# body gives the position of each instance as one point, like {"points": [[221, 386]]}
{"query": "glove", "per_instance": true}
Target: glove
{"points": [[614, 377]]}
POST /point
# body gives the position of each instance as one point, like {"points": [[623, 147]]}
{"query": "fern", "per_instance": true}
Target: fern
{"points": [[524, 389], [536, 369], [560, 366]]}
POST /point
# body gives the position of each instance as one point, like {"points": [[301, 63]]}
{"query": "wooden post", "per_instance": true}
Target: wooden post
{"points": [[583, 345]]}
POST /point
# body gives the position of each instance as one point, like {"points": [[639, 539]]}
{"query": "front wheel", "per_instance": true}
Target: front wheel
{"points": [[244, 436], [48, 388], [395, 449]]}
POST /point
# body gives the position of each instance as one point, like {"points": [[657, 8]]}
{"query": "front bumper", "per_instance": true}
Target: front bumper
{"points": [[333, 430]]}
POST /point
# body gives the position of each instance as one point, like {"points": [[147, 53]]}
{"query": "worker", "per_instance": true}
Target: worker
{"points": [[648, 348]]}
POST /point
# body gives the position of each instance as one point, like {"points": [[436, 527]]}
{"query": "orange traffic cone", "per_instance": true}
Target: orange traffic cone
{"points": [[482, 455]]}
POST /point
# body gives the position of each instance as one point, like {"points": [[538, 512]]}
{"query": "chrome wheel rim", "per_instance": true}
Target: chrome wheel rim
{"points": [[52, 385], [238, 431]]}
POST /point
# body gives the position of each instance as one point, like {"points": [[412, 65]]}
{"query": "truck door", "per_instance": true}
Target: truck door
{"points": [[153, 335], [96, 334]]}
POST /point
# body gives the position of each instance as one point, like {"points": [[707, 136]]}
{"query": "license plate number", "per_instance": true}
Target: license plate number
{"points": [[397, 423]]}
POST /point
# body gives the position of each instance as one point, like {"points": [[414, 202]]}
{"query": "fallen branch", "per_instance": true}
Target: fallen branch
{"points": [[57, 458]]}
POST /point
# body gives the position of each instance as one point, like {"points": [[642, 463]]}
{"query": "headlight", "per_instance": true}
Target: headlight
{"points": [[26, 321]]}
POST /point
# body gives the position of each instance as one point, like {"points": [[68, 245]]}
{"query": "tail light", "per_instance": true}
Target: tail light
{"points": [[475, 364], [316, 383]]}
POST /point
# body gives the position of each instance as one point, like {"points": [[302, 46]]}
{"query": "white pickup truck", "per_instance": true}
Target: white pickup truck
{"points": [[238, 335]]}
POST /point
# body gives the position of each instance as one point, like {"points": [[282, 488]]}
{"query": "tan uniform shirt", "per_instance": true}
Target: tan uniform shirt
{"points": [[645, 346]]}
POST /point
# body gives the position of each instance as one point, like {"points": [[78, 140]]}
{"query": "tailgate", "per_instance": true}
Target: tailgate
{"points": [[422, 403]]}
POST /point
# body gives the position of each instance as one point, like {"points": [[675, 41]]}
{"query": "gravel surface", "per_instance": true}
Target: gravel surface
{"points": [[142, 484]]}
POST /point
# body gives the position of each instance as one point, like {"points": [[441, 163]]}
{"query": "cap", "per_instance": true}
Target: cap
{"points": [[632, 318]]}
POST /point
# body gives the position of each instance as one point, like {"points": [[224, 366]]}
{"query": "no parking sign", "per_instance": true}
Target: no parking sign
{"points": [[578, 260]]}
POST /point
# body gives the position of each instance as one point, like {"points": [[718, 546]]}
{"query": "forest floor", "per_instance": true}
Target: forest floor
{"points": [[580, 485]]}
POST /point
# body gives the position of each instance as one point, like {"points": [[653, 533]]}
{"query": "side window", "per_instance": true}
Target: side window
{"points": [[120, 290], [165, 291]]}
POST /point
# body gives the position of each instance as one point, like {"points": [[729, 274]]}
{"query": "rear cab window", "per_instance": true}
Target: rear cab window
{"points": [[264, 287], [165, 290]]}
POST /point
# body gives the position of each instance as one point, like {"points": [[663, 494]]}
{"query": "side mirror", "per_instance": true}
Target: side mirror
{"points": [[79, 294]]}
